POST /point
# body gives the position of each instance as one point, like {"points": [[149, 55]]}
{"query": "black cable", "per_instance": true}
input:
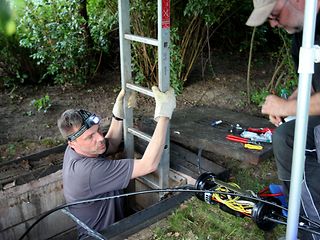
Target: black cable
{"points": [[180, 189], [304, 228], [91, 232]]}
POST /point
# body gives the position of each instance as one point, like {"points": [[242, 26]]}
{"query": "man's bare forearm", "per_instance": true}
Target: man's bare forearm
{"points": [[114, 135]]}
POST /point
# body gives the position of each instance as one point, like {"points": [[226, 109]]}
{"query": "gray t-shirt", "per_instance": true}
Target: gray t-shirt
{"points": [[87, 178]]}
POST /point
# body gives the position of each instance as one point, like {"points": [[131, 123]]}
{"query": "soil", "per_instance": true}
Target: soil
{"points": [[22, 124], [24, 130]]}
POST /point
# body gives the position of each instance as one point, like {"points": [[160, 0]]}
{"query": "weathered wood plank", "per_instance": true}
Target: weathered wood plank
{"points": [[187, 162], [192, 129]]}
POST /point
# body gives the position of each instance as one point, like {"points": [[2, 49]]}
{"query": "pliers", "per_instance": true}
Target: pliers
{"points": [[247, 143], [239, 139]]}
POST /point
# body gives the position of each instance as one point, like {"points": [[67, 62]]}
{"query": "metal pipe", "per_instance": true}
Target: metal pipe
{"points": [[306, 69]]}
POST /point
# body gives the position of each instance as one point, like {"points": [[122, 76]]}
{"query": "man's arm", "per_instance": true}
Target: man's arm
{"points": [[165, 104], [151, 157], [294, 95], [315, 104], [277, 107], [114, 136]]}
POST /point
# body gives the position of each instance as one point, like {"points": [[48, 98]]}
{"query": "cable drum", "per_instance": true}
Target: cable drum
{"points": [[262, 210], [205, 182]]}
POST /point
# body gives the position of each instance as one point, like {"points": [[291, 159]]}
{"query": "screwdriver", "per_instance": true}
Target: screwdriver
{"points": [[253, 146]]}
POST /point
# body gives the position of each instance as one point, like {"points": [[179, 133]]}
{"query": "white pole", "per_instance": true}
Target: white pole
{"points": [[306, 69]]}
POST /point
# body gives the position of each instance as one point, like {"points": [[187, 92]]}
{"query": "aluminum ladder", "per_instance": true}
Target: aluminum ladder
{"points": [[159, 179]]}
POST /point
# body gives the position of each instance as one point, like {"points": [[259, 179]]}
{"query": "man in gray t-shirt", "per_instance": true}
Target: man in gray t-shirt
{"points": [[88, 174]]}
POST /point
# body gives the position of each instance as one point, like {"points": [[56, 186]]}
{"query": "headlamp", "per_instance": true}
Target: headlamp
{"points": [[88, 120]]}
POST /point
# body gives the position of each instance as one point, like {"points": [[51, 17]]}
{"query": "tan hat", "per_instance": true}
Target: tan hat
{"points": [[261, 11]]}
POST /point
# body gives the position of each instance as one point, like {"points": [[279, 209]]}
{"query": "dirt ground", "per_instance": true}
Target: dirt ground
{"points": [[24, 130]]}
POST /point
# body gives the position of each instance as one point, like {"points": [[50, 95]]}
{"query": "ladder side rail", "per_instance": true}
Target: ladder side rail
{"points": [[126, 75], [164, 80]]}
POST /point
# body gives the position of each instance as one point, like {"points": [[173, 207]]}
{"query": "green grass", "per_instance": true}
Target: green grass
{"points": [[196, 219]]}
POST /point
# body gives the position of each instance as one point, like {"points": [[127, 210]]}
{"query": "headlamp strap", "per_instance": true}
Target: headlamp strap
{"points": [[84, 115]]}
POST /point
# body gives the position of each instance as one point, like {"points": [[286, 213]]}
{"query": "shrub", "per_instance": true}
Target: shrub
{"points": [[55, 33], [190, 31]]}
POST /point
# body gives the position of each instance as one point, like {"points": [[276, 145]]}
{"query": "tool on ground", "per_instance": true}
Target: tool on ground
{"points": [[236, 129], [275, 190], [234, 138], [253, 146], [260, 130], [215, 123], [263, 137]]}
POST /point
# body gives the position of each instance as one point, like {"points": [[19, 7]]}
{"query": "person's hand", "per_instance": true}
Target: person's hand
{"points": [[165, 103], [118, 105], [274, 106], [132, 101], [117, 110], [277, 121]]}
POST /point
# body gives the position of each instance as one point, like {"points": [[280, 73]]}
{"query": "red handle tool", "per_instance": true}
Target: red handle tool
{"points": [[260, 130], [239, 139]]}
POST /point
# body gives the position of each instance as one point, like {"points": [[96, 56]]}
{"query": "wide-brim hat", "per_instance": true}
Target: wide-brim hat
{"points": [[262, 10]]}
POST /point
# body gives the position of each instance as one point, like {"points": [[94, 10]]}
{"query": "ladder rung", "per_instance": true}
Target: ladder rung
{"points": [[150, 41], [139, 89], [139, 134], [148, 182]]}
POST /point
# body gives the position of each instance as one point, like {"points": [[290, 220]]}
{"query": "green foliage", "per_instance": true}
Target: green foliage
{"points": [[11, 58], [50, 142], [210, 11], [7, 23], [103, 19], [12, 148], [42, 104], [260, 41], [9, 66], [258, 96], [5, 15], [16, 67], [176, 62], [284, 77], [199, 220], [144, 57], [69, 40], [189, 32], [55, 33], [196, 24]]}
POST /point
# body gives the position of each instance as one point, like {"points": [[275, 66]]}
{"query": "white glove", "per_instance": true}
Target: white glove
{"points": [[165, 103], [118, 105], [132, 100], [117, 110]]}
